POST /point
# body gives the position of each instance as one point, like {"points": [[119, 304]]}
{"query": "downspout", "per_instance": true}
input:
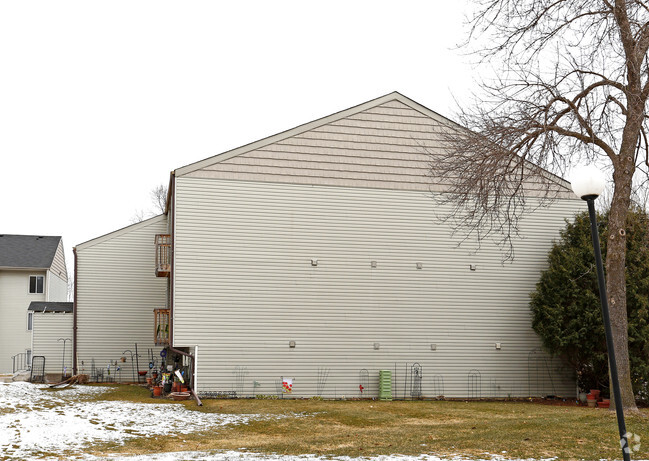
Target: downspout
{"points": [[74, 316], [172, 196]]}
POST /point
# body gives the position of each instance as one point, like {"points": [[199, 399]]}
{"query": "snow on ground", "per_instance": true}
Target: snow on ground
{"points": [[34, 420]]}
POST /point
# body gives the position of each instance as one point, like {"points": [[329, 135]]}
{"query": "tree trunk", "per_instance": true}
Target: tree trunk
{"points": [[616, 280]]}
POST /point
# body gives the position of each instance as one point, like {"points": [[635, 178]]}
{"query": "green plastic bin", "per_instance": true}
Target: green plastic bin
{"points": [[385, 385]]}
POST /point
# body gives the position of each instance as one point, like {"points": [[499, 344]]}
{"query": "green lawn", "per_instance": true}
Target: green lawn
{"points": [[366, 428]]}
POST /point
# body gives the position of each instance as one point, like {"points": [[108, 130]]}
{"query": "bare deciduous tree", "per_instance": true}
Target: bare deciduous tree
{"points": [[138, 216], [159, 200], [573, 89], [70, 285]]}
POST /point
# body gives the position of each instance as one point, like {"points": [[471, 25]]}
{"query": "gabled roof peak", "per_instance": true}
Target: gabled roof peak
{"points": [[28, 251], [394, 96]]}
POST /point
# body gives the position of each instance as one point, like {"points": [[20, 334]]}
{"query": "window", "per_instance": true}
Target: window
{"points": [[30, 321], [35, 284]]}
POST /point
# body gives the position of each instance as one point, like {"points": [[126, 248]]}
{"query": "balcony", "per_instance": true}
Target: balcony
{"points": [[162, 255], [161, 327]]}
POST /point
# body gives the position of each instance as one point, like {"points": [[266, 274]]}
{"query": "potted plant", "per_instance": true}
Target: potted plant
{"points": [[605, 403], [592, 400]]}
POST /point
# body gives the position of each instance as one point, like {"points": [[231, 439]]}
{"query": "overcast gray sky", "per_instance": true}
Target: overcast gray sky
{"points": [[99, 101]]}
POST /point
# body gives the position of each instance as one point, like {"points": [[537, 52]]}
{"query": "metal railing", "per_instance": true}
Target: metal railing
{"points": [[21, 362]]}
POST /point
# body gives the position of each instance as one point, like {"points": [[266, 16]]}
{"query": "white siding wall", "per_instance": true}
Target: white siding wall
{"points": [[59, 268], [48, 328], [117, 291], [14, 301], [57, 289], [245, 287], [58, 277]]}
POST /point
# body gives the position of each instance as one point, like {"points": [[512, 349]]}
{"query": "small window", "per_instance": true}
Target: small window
{"points": [[35, 284], [30, 321]]}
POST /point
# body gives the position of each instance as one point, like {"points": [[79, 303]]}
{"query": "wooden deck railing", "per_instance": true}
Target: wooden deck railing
{"points": [[162, 255], [161, 327]]}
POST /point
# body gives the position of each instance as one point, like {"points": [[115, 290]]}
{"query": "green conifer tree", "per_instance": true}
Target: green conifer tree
{"points": [[566, 308]]}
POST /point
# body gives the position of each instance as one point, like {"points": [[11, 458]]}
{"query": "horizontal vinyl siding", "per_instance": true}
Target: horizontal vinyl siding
{"points": [[48, 329], [57, 288], [58, 266], [14, 301], [117, 291], [390, 146], [245, 287]]}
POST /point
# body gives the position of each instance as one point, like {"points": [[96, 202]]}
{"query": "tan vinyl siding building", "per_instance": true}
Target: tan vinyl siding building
{"points": [[329, 236], [116, 293], [319, 254]]}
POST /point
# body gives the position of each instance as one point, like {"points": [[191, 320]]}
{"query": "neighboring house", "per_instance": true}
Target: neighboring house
{"points": [[319, 256], [52, 324], [32, 268]]}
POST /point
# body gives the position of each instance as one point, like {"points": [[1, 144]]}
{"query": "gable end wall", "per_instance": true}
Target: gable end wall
{"points": [[390, 146]]}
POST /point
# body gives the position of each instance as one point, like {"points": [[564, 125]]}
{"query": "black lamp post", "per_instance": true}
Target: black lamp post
{"points": [[588, 183]]}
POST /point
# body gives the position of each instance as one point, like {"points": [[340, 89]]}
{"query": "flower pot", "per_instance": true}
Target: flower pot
{"points": [[157, 391], [149, 381], [591, 403], [180, 395], [604, 404], [595, 393], [176, 387]]}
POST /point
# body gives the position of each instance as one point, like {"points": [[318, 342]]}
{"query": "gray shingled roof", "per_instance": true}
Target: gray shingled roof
{"points": [[44, 306], [28, 251]]}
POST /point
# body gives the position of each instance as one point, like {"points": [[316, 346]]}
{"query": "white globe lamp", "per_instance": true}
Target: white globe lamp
{"points": [[588, 182]]}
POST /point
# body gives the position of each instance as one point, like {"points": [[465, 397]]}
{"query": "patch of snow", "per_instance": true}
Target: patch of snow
{"points": [[36, 420]]}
